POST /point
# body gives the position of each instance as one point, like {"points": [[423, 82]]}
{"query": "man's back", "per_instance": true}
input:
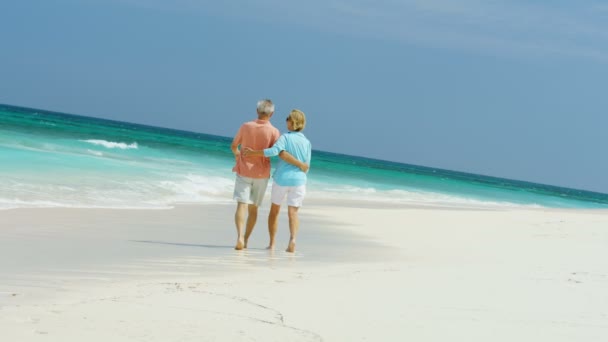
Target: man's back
{"points": [[258, 135]]}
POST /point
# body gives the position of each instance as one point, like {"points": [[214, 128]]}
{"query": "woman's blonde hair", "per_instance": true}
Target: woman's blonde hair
{"points": [[298, 119]]}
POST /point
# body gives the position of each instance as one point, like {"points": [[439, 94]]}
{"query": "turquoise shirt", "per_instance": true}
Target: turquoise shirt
{"points": [[298, 146]]}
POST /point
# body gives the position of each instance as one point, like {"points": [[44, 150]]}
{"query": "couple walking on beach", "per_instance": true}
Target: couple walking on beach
{"points": [[252, 146]]}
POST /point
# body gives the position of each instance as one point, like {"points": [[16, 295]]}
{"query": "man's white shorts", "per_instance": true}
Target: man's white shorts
{"points": [[250, 190], [295, 194]]}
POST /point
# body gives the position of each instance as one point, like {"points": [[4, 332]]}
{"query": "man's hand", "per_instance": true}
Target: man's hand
{"points": [[304, 167], [237, 155]]}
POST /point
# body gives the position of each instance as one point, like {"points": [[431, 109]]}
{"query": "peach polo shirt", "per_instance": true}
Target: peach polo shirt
{"points": [[258, 135]]}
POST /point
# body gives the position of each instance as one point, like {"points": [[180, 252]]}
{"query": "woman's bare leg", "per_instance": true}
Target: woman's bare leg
{"points": [[294, 225], [273, 222]]}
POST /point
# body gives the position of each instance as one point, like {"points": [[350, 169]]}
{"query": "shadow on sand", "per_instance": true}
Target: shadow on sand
{"points": [[190, 244]]}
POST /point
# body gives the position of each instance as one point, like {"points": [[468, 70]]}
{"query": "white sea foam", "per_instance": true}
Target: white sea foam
{"points": [[197, 188], [95, 153], [99, 192], [373, 195], [164, 191], [112, 144], [16, 204]]}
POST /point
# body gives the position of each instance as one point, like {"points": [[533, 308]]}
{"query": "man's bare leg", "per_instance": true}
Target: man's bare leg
{"points": [[252, 217], [239, 221], [273, 222], [294, 225]]}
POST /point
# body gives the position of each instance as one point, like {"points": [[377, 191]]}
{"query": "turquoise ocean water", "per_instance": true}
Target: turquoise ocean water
{"points": [[52, 159]]}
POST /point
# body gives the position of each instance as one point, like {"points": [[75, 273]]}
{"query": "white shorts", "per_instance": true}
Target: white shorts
{"points": [[250, 190], [295, 194]]}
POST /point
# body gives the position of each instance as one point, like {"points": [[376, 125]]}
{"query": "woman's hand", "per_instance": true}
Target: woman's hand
{"points": [[247, 151]]}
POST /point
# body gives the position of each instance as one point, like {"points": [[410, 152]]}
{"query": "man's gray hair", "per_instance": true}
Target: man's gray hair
{"points": [[265, 107]]}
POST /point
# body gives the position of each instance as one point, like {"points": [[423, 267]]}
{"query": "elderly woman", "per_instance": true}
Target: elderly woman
{"points": [[289, 178]]}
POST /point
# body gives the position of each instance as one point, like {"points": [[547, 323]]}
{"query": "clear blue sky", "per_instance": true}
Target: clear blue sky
{"points": [[513, 89]]}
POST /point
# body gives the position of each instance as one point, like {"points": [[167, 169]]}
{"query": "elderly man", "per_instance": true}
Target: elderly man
{"points": [[252, 173]]}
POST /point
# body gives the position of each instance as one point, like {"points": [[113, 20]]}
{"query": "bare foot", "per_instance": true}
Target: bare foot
{"points": [[270, 247], [291, 247], [239, 245], [245, 244]]}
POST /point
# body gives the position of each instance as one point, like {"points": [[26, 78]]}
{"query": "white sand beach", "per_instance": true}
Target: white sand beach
{"points": [[360, 273]]}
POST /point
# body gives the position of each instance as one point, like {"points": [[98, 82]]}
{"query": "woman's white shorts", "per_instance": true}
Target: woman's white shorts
{"points": [[295, 194]]}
